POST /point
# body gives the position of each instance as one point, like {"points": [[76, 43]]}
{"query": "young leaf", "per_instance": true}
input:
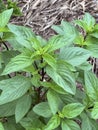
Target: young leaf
{"points": [[70, 125], [14, 5], [13, 89], [74, 55], [50, 60], [72, 110], [87, 23], [5, 29], [63, 76], [17, 63], [53, 123], [57, 42], [94, 34], [22, 107], [35, 43], [96, 27], [4, 17], [1, 126], [42, 109], [79, 40], [91, 85], [2, 6], [53, 100]]}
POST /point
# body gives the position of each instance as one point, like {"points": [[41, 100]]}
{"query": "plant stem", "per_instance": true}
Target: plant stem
{"points": [[42, 78], [35, 65], [7, 50], [42, 71], [5, 45], [42, 97]]}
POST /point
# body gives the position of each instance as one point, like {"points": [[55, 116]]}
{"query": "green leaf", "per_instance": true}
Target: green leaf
{"points": [[63, 76], [85, 66], [31, 121], [94, 112], [67, 35], [13, 88], [7, 55], [87, 23], [94, 49], [10, 124], [17, 63], [12, 41], [96, 27], [36, 80], [53, 123], [70, 125], [25, 33], [59, 41], [1, 126], [4, 29], [42, 41], [89, 20], [82, 24], [92, 45], [14, 5], [91, 85], [87, 123], [74, 55], [2, 6], [5, 17], [53, 100], [72, 110], [79, 40], [34, 129], [53, 86], [30, 124], [35, 43], [50, 60], [58, 29], [22, 107], [90, 41], [8, 109], [42, 109], [68, 98], [94, 34], [67, 30]]}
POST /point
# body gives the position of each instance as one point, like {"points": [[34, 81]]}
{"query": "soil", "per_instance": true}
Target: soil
{"points": [[40, 15]]}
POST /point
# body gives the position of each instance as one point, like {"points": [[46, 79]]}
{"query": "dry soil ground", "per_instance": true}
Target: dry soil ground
{"points": [[40, 15]]}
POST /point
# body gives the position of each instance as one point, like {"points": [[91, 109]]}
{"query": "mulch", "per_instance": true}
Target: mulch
{"points": [[40, 15]]}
